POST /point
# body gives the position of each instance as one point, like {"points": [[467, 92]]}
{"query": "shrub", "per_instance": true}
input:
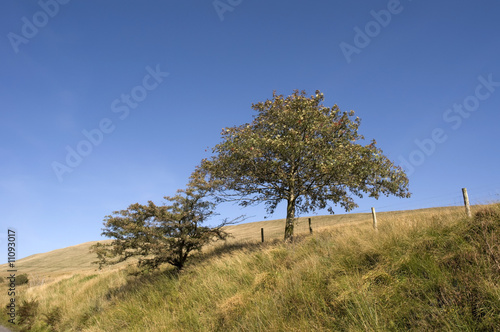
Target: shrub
{"points": [[27, 313], [22, 279]]}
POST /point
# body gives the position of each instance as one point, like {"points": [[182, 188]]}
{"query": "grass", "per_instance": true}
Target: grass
{"points": [[274, 229], [423, 270], [45, 267], [70, 260]]}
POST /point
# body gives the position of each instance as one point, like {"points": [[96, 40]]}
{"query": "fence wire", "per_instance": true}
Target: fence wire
{"points": [[275, 229]]}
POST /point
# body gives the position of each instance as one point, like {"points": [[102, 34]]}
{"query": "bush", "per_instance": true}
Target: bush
{"points": [[27, 313], [22, 279]]}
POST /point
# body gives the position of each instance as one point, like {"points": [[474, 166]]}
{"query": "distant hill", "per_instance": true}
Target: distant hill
{"points": [[60, 261]]}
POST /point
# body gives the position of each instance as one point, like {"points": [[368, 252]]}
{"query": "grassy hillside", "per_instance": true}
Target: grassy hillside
{"points": [[78, 259], [423, 270], [61, 261], [274, 229]]}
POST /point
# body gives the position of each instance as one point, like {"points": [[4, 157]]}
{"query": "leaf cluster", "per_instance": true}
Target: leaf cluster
{"points": [[161, 234], [300, 151]]}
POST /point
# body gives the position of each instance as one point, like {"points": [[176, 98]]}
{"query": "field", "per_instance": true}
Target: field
{"points": [[429, 269]]}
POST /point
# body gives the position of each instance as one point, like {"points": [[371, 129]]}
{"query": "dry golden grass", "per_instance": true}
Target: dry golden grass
{"points": [[274, 229], [44, 267], [70, 260], [344, 277]]}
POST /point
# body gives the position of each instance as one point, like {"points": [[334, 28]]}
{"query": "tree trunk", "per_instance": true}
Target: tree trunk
{"points": [[290, 216]]}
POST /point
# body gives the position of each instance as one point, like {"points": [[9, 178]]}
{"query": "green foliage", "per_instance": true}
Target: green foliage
{"points": [[299, 151], [87, 278], [27, 313], [53, 318], [22, 279], [161, 234]]}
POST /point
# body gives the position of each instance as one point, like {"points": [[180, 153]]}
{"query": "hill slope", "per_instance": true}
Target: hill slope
{"points": [[431, 270], [61, 261], [78, 259]]}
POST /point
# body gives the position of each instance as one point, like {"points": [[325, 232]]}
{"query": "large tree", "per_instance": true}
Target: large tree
{"points": [[161, 234], [299, 151]]}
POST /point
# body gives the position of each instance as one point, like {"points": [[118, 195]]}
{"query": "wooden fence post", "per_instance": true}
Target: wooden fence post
{"points": [[466, 202], [374, 219], [310, 228], [262, 234]]}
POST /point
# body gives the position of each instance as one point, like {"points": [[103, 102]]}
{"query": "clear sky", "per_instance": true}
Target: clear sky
{"points": [[108, 103]]}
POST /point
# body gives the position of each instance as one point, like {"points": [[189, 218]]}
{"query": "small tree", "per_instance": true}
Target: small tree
{"points": [[161, 234], [298, 151]]}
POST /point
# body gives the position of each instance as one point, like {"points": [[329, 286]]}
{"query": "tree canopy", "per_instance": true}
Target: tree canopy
{"points": [[299, 151], [161, 234]]}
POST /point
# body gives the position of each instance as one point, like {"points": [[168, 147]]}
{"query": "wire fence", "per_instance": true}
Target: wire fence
{"points": [[270, 230]]}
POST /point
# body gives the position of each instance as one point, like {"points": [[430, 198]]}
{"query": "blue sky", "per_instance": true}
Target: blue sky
{"points": [[141, 89]]}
